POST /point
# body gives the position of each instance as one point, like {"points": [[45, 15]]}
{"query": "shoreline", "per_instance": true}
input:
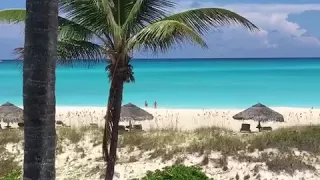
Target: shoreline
{"points": [[171, 108]]}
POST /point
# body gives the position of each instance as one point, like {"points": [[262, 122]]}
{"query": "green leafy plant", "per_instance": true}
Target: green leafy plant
{"points": [[13, 175], [177, 172]]}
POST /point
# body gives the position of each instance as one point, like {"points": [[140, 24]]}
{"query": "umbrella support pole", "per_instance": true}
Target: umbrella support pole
{"points": [[130, 125]]}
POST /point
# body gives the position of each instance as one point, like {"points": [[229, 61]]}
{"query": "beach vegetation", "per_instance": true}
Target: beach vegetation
{"points": [[304, 138], [10, 169], [177, 172], [12, 175], [74, 135], [113, 30], [175, 146], [10, 136], [288, 163]]}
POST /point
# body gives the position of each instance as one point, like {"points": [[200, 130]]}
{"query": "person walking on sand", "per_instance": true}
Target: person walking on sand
{"points": [[146, 104], [155, 104]]}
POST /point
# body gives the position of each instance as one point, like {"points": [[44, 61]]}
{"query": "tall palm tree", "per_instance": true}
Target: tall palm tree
{"points": [[113, 29], [39, 89]]}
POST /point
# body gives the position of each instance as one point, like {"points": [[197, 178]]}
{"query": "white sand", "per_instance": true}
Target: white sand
{"points": [[188, 119]]}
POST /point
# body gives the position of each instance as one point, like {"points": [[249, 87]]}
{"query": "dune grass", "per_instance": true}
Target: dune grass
{"points": [[10, 136], [171, 143], [288, 163], [304, 138], [7, 160]]}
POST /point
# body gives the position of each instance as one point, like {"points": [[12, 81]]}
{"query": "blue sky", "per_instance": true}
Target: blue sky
{"points": [[289, 28]]}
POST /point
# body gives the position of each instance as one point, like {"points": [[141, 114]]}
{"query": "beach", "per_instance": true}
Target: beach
{"points": [[135, 163], [168, 139], [189, 119]]}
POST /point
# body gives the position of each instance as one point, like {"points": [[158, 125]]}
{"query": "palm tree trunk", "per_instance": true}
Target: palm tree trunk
{"points": [[39, 99], [112, 123]]}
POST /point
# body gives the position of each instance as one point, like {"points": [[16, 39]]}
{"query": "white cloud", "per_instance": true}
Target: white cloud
{"points": [[268, 17]]}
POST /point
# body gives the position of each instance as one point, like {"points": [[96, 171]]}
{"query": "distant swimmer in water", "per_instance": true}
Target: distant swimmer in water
{"points": [[155, 104], [146, 104]]}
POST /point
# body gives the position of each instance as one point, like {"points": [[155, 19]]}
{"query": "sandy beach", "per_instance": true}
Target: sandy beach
{"points": [[81, 159], [189, 119]]}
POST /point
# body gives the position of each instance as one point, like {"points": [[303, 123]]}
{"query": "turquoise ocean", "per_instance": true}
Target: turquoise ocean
{"points": [[184, 83]]}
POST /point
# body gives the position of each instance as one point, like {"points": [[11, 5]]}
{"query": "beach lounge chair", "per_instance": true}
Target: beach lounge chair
{"points": [[137, 127], [8, 127], [245, 128], [59, 123], [267, 128], [21, 125], [122, 128]]}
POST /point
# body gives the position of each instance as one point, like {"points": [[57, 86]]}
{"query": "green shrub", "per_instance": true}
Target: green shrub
{"points": [[177, 172], [13, 175], [7, 166]]}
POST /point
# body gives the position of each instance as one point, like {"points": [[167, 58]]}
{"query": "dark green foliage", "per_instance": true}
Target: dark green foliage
{"points": [[177, 172], [13, 175], [8, 166]]}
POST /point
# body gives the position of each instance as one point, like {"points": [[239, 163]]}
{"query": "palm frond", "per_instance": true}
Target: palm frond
{"points": [[161, 35], [19, 52], [71, 30], [67, 28], [119, 10], [204, 19], [12, 15], [145, 12], [93, 14], [72, 51]]}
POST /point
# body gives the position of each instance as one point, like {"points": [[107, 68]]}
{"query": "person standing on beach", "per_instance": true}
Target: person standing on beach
{"points": [[146, 104], [155, 104]]}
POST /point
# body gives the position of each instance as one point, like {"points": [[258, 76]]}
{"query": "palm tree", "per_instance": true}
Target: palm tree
{"points": [[39, 89], [114, 29]]}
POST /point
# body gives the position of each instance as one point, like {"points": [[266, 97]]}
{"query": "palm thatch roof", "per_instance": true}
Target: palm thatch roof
{"points": [[259, 112], [9, 113], [132, 112]]}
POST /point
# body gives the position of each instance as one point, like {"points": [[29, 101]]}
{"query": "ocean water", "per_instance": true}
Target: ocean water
{"points": [[185, 83]]}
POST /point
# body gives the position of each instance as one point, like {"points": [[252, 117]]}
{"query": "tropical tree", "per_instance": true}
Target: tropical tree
{"points": [[114, 29], [39, 89]]}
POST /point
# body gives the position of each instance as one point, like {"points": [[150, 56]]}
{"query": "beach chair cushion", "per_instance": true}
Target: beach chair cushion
{"points": [[267, 128], [245, 127], [122, 128], [59, 122], [137, 126]]}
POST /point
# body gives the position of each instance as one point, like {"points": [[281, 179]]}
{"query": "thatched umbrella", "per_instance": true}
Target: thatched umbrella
{"points": [[9, 113], [131, 112], [259, 112]]}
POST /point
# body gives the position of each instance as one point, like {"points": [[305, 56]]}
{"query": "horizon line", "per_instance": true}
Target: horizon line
{"points": [[177, 58]]}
